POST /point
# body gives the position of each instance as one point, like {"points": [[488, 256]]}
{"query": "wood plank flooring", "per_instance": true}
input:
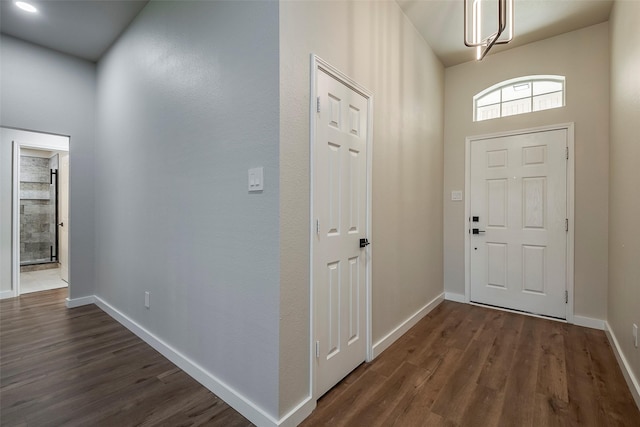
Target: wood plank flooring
{"points": [[79, 367], [460, 366], [465, 365]]}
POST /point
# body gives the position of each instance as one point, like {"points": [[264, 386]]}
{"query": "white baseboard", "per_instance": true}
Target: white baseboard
{"points": [[401, 329], [236, 400], [450, 296], [589, 322], [77, 302], [298, 414], [7, 294], [632, 381]]}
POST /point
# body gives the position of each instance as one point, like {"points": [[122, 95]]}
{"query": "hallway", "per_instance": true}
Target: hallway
{"points": [[456, 366], [41, 280]]}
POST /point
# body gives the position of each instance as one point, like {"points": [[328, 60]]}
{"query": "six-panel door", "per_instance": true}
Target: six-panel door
{"points": [[340, 191], [518, 192]]}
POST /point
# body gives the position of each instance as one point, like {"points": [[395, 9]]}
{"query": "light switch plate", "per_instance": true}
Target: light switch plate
{"points": [[256, 179], [456, 196]]}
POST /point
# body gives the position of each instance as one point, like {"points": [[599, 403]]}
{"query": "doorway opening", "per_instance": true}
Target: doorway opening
{"points": [[42, 194], [341, 138], [519, 228], [39, 217]]}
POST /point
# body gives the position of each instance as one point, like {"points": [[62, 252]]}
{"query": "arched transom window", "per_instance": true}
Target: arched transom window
{"points": [[519, 96]]}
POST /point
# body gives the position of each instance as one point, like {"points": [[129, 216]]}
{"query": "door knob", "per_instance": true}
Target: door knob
{"points": [[477, 231], [61, 224], [364, 243]]}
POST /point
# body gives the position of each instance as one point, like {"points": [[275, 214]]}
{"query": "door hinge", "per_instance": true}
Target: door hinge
{"points": [[566, 225], [317, 349], [567, 153], [317, 226], [566, 297], [318, 104]]}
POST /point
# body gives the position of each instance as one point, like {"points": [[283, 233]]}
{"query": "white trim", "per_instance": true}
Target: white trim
{"points": [[77, 302], [298, 414], [15, 220], [312, 140], [37, 140], [402, 328], [523, 79], [316, 64], [569, 127], [22, 138], [589, 322], [512, 82], [225, 392], [7, 294], [452, 296], [465, 222], [234, 399], [524, 313], [627, 372], [571, 215]]}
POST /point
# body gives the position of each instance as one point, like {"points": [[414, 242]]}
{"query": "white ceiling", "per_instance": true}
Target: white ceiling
{"points": [[441, 23], [86, 28], [83, 28]]}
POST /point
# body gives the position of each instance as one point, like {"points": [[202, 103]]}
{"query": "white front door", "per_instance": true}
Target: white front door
{"points": [[340, 213], [518, 205], [63, 226]]}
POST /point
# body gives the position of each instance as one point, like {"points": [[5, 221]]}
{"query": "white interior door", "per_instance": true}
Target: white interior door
{"points": [[518, 204], [63, 215], [340, 210]]}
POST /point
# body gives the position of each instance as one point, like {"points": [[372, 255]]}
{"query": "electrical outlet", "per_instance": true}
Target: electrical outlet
{"points": [[635, 335], [147, 297]]}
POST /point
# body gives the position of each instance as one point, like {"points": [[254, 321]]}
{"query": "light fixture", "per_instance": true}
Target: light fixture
{"points": [[27, 7], [473, 24]]}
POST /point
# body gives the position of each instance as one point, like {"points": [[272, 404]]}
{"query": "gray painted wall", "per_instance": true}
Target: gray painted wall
{"points": [[187, 102], [46, 91]]}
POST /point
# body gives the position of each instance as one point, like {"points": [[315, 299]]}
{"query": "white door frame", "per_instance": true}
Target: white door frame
{"points": [[569, 127], [319, 64], [38, 141]]}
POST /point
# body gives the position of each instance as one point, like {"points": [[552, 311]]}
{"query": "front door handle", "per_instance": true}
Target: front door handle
{"points": [[364, 243], [477, 231]]}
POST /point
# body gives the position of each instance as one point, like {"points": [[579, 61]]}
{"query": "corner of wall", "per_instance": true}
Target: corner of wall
{"points": [[625, 366], [623, 292]]}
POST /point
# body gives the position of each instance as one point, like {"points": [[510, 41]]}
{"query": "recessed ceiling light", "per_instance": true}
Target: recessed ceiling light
{"points": [[26, 7]]}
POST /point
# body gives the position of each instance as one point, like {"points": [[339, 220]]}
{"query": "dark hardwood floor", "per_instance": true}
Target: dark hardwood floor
{"points": [[79, 367], [465, 365], [460, 366]]}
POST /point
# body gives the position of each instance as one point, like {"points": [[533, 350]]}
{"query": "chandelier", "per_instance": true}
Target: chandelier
{"points": [[480, 23]]}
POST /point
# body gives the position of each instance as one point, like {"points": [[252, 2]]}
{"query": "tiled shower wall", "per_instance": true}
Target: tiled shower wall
{"points": [[37, 209]]}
